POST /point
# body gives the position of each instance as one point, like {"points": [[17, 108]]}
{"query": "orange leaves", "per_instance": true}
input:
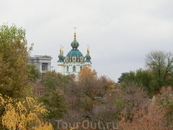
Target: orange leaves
{"points": [[145, 119], [86, 72], [156, 116]]}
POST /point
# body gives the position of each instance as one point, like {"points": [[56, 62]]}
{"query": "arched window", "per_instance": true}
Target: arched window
{"points": [[80, 67], [74, 68], [67, 69]]}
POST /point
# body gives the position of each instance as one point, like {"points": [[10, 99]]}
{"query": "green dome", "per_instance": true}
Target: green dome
{"points": [[88, 58], [61, 58], [74, 44], [75, 53]]}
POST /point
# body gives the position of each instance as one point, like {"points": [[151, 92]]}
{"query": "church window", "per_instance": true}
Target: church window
{"points": [[74, 58], [74, 68], [67, 69], [66, 59], [81, 59]]}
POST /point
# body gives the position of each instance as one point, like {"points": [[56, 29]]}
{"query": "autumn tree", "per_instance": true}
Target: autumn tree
{"points": [[86, 73], [161, 65], [165, 100], [157, 115], [85, 98], [129, 97], [105, 110], [88, 87], [26, 114], [150, 118], [13, 61]]}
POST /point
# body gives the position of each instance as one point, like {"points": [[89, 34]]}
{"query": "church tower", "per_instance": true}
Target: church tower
{"points": [[73, 62]]}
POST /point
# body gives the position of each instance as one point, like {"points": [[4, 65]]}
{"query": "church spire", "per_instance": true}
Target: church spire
{"points": [[61, 50], [74, 33], [61, 54], [88, 57], [74, 44], [88, 51]]}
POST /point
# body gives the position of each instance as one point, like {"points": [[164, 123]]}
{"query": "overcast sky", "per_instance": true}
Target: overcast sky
{"points": [[119, 32]]}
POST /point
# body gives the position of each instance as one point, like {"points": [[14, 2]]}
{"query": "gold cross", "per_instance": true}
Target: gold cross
{"points": [[61, 47], [88, 51], [74, 28], [88, 46]]}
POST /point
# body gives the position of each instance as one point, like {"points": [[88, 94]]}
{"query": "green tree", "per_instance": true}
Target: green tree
{"points": [[140, 78], [13, 61], [13, 64], [54, 104], [161, 66], [122, 77], [53, 80], [52, 99], [33, 72]]}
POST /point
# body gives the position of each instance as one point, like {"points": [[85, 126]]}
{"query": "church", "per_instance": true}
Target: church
{"points": [[73, 62]]}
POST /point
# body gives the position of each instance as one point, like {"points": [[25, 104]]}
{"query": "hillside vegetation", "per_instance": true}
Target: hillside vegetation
{"points": [[141, 100]]}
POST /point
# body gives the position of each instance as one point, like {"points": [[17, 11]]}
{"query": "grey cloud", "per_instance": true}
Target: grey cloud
{"points": [[120, 33]]}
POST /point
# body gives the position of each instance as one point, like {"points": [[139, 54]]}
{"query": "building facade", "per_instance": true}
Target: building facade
{"points": [[42, 63], [73, 62]]}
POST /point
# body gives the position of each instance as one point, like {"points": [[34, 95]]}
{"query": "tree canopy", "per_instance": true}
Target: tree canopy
{"points": [[13, 61], [160, 64], [90, 98]]}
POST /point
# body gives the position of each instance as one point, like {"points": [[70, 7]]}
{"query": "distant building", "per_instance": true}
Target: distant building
{"points": [[73, 62], [42, 62]]}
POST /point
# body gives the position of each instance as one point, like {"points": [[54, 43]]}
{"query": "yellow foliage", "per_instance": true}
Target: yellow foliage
{"points": [[86, 73], [10, 118], [23, 115]]}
